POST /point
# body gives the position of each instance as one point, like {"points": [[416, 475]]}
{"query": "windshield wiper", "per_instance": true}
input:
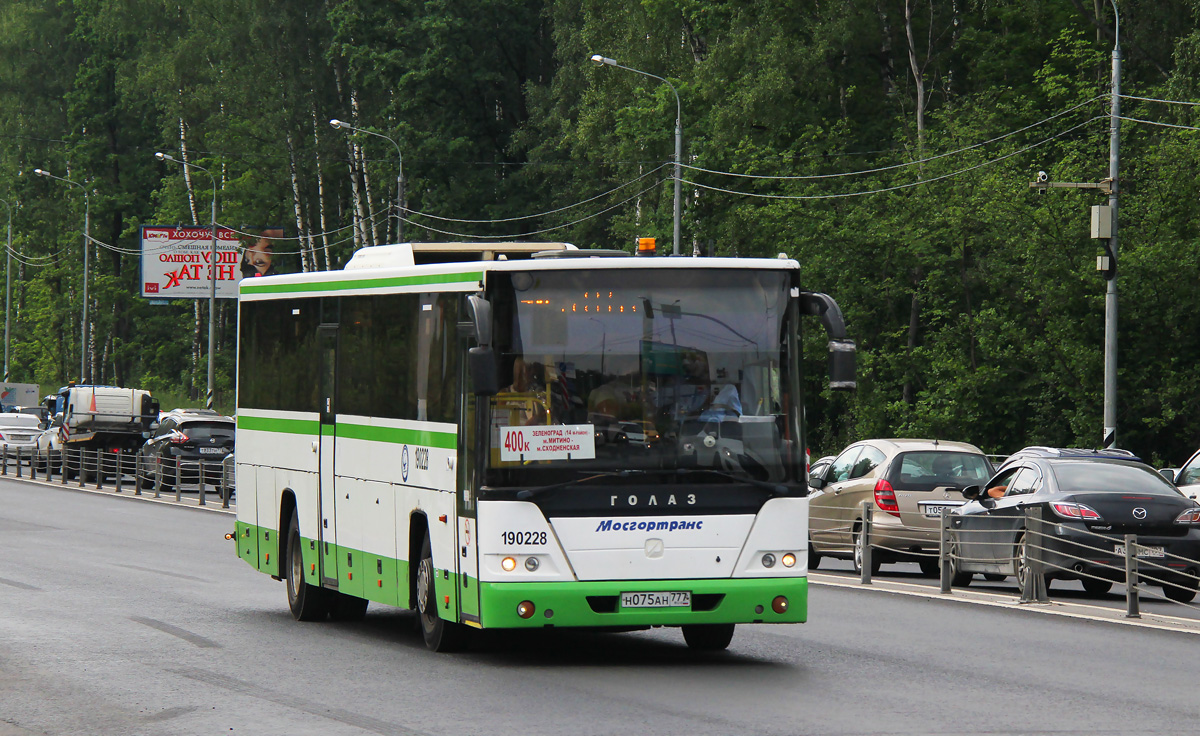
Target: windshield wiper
{"points": [[778, 489], [527, 493]]}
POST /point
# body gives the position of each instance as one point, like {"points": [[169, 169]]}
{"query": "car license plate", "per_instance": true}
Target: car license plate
{"points": [[211, 450], [933, 510], [1142, 551], [668, 599]]}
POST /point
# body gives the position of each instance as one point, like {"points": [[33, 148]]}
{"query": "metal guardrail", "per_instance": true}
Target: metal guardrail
{"points": [[97, 467], [1029, 560]]}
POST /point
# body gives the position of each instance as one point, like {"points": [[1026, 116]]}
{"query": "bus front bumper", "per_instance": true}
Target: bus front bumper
{"points": [[598, 603]]}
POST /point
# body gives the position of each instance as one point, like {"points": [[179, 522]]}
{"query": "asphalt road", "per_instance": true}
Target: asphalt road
{"points": [[121, 616]]}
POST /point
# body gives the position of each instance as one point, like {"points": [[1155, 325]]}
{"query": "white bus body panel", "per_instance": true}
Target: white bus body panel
{"points": [[780, 527]]}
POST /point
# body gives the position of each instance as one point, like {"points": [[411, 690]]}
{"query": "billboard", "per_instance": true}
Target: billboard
{"points": [[19, 394], [175, 262]]}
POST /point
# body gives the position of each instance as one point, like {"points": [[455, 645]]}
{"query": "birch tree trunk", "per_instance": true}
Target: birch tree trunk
{"points": [[196, 330], [321, 191], [306, 255]]}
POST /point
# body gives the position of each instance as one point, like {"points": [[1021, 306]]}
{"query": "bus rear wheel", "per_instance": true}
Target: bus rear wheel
{"points": [[708, 637], [307, 602], [440, 635]]}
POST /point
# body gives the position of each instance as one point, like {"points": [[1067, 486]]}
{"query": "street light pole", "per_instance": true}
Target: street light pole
{"points": [[605, 61], [84, 377], [212, 276], [7, 287], [1110, 296], [400, 204]]}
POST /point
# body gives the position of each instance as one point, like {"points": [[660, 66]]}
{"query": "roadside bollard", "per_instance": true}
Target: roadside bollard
{"points": [[865, 532], [944, 552], [99, 469], [224, 488], [158, 476], [33, 461], [62, 461], [1034, 589], [200, 483], [137, 474], [4, 461], [1131, 577], [120, 470], [81, 459], [19, 462], [178, 476]]}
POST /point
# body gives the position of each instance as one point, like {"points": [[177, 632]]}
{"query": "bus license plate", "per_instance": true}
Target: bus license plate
{"points": [[669, 599]]}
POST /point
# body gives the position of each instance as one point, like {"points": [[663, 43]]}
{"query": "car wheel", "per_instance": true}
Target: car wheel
{"points": [[814, 559], [1021, 553], [440, 635], [307, 602], [859, 544], [708, 637], [1097, 587], [929, 567], [1183, 594], [958, 578]]}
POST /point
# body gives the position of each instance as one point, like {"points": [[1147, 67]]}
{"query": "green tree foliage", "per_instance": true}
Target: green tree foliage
{"points": [[885, 144]]}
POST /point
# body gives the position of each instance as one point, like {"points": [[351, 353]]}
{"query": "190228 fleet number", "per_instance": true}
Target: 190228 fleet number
{"points": [[532, 538]]}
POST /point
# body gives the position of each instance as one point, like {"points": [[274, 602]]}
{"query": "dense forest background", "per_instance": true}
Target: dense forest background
{"points": [[888, 145]]}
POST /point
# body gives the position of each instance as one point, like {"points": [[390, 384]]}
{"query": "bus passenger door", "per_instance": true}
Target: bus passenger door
{"points": [[325, 444], [467, 543]]}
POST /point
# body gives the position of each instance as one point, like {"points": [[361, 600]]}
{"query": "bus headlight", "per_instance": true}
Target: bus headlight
{"points": [[789, 560], [768, 560], [508, 564], [531, 563]]}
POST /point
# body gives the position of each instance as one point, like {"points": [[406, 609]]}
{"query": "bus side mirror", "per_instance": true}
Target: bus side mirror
{"points": [[842, 372], [480, 311], [481, 362]]}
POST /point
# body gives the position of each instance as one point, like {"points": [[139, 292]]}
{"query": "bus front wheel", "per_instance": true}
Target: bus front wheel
{"points": [[440, 635], [708, 637], [307, 602]]}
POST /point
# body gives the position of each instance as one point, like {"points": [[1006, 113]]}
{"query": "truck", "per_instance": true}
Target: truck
{"points": [[101, 419]]}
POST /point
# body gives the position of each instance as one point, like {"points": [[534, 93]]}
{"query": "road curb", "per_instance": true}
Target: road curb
{"points": [[125, 494], [1007, 601]]}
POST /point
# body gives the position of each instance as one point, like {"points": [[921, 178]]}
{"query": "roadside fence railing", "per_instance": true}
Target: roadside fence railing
{"points": [[1026, 546], [117, 469]]}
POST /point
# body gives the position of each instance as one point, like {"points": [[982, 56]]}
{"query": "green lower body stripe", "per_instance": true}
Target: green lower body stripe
{"points": [[567, 604]]}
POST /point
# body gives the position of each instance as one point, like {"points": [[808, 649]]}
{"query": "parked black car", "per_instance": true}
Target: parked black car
{"points": [[183, 440], [1089, 501]]}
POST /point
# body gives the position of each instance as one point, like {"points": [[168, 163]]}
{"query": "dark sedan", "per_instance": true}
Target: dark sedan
{"points": [[182, 443], [1088, 505]]}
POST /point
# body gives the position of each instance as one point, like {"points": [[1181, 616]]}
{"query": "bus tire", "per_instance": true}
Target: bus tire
{"points": [[344, 607], [307, 602], [708, 637], [440, 635]]}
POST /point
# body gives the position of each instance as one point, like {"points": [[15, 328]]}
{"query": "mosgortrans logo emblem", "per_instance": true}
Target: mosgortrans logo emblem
{"points": [[619, 525]]}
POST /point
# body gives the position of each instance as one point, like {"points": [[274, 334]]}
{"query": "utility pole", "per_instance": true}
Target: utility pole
{"points": [[1110, 296], [1104, 226]]}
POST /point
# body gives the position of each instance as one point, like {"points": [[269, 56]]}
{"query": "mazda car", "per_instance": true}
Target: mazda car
{"points": [[1089, 500]]}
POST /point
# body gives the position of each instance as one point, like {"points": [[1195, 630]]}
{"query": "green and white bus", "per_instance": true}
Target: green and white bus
{"points": [[530, 435]]}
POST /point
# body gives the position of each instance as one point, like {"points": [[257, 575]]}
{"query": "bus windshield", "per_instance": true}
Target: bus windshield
{"points": [[643, 370]]}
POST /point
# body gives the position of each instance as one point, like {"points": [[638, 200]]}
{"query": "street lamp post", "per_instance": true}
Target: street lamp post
{"points": [[605, 61], [7, 286], [400, 208], [84, 377], [212, 275]]}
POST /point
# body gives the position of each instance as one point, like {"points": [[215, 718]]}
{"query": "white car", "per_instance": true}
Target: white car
{"points": [[49, 446], [18, 432]]}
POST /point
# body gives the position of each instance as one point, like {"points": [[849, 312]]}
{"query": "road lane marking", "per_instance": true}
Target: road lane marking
{"points": [[184, 634]]}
